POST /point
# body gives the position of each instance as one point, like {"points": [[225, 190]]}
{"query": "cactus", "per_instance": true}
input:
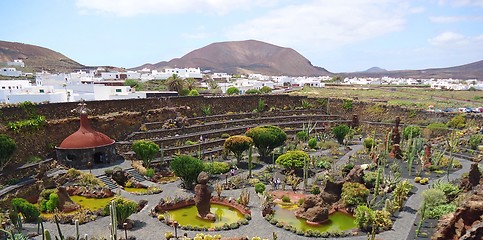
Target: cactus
{"points": [[58, 228], [113, 213], [77, 229], [46, 235]]}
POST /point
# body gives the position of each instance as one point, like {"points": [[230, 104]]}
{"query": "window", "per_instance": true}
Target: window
{"points": [[118, 90], [41, 91]]}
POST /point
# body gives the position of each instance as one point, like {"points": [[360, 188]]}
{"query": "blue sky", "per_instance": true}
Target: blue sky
{"points": [[339, 35]]}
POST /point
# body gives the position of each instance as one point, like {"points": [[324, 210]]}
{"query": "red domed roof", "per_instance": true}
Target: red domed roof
{"points": [[85, 137]]}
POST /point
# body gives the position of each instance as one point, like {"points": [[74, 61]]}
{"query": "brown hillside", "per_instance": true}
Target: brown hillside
{"points": [[246, 57], [37, 58]]}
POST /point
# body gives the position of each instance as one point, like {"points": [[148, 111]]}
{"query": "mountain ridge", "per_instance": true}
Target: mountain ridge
{"points": [[36, 57], [242, 57]]}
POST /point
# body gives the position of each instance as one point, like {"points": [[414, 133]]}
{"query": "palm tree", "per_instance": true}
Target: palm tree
{"points": [[213, 85], [190, 83], [175, 83]]}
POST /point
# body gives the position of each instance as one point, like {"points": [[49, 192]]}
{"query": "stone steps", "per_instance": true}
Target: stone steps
{"points": [[136, 175], [109, 182]]}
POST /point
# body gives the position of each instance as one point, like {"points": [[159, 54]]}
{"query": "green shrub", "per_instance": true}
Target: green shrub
{"points": [[266, 138], [259, 187], [354, 194], [458, 122], [475, 140], [451, 191], [413, 131], [193, 92], [371, 177], [285, 199], [190, 143], [124, 209], [340, 132], [347, 104], [324, 163], [293, 159], [315, 190], [364, 217], [145, 150], [237, 145], [232, 91], [312, 143], [215, 168], [440, 210], [184, 92], [187, 168], [28, 210], [149, 172], [51, 204], [265, 89], [253, 91], [369, 143], [302, 136], [433, 197]]}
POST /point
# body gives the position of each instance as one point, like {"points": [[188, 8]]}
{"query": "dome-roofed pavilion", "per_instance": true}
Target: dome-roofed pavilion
{"points": [[86, 145]]}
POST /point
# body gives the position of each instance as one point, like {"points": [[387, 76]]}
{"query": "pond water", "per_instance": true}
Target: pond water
{"points": [[338, 221], [91, 203], [188, 216]]}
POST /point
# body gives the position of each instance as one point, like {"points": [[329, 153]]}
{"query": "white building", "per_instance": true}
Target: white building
{"points": [[184, 72], [10, 72], [16, 63]]}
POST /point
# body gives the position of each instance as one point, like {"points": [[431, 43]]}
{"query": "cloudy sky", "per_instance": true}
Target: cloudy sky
{"points": [[339, 35]]}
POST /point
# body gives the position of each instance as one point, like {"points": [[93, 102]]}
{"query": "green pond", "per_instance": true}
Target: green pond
{"points": [[338, 221], [188, 216], [91, 203]]}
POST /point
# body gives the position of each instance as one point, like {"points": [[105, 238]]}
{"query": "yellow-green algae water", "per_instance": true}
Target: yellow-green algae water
{"points": [[91, 203], [338, 221], [135, 190], [188, 216]]}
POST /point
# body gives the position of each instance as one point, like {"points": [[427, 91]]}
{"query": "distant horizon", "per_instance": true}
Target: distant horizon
{"points": [[340, 36]]}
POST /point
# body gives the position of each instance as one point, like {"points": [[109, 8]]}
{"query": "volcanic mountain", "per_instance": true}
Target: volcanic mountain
{"points": [[242, 57], [37, 58]]}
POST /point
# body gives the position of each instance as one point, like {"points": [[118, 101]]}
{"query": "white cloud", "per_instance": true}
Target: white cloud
{"points": [[452, 39], [454, 19], [477, 3], [136, 7], [325, 23]]}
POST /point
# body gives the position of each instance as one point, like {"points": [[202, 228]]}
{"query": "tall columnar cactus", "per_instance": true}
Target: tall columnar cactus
{"points": [[46, 235], [61, 236], [113, 213], [77, 229]]}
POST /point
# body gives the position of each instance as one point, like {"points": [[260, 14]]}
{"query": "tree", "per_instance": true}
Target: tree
{"points": [[7, 148], [340, 132], [266, 138], [265, 89], [253, 91], [292, 160], [237, 145], [146, 150], [232, 91], [175, 83], [187, 168], [133, 83], [190, 83], [213, 85]]}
